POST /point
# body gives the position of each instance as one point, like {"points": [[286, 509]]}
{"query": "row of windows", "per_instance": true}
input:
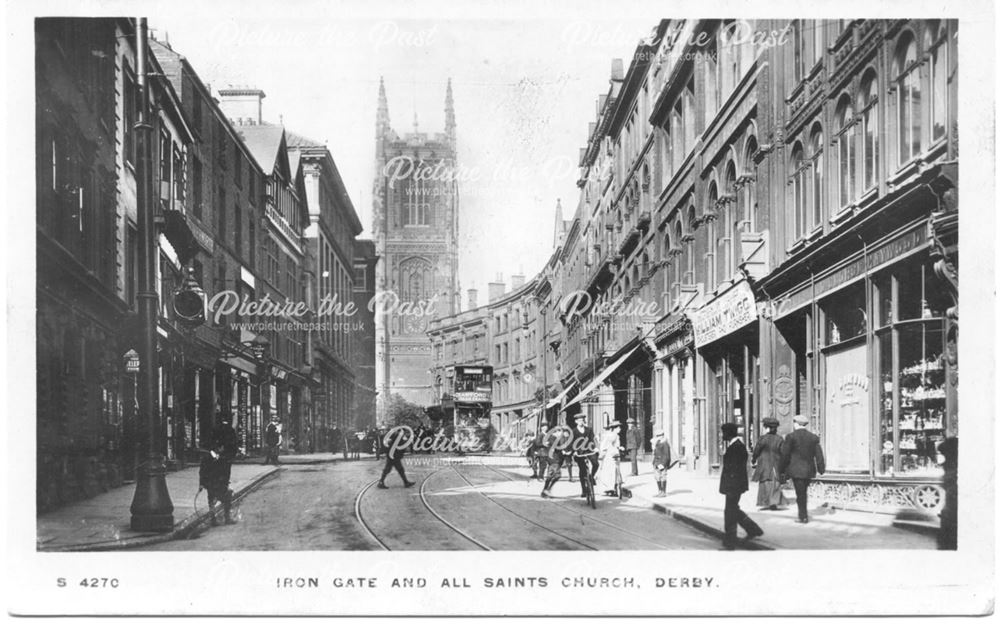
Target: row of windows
{"points": [[918, 123]]}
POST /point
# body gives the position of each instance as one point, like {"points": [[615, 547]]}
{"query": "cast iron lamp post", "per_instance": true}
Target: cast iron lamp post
{"points": [[152, 509]]}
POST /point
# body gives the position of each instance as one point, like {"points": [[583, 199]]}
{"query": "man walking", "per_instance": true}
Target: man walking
{"points": [[272, 438], [557, 450], [661, 463], [539, 456], [732, 484], [801, 459], [394, 445], [216, 469], [632, 443]]}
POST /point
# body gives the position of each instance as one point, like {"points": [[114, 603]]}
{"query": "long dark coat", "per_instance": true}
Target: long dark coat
{"points": [[802, 455], [734, 469], [767, 454]]}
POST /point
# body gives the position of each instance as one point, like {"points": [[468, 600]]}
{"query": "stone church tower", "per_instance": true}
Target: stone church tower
{"points": [[415, 226]]}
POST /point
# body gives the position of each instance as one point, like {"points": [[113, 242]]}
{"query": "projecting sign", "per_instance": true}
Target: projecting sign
{"points": [[725, 314]]}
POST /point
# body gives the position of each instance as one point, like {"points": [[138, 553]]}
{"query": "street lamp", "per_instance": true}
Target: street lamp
{"points": [[152, 509]]}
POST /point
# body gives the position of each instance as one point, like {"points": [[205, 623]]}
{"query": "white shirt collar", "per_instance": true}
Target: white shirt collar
{"points": [[735, 438]]}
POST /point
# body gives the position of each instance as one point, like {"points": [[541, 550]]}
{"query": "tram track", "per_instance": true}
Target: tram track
{"points": [[590, 517], [423, 499], [361, 518], [476, 489]]}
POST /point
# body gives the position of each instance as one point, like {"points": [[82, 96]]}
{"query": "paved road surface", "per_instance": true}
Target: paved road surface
{"points": [[453, 507]]}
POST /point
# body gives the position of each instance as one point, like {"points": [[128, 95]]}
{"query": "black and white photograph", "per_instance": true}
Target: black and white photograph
{"points": [[339, 309]]}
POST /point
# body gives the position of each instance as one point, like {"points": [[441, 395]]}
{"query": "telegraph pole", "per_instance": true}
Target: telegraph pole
{"points": [[152, 510]]}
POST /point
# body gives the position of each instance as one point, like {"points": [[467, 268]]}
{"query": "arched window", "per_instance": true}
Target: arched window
{"points": [[689, 248], [677, 137], [934, 44], [678, 270], [846, 152], [868, 105], [816, 190], [907, 76], [713, 236], [748, 195], [796, 167], [689, 121], [726, 226], [645, 264]]}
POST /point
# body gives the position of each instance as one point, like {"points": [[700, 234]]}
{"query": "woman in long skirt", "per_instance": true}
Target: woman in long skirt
{"points": [[609, 450], [767, 459]]}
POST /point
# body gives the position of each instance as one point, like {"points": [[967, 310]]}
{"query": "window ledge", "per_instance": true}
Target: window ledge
{"points": [[843, 214]]}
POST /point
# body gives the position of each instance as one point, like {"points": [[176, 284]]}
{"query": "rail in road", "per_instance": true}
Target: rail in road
{"points": [[571, 528]]}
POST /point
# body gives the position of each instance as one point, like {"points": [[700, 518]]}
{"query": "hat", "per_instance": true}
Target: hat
{"points": [[800, 419], [579, 415], [770, 422], [631, 421], [658, 433], [729, 428], [614, 424]]}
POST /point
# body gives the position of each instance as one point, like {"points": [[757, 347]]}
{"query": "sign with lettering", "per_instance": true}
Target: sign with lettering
{"points": [[878, 256], [728, 312], [472, 397]]}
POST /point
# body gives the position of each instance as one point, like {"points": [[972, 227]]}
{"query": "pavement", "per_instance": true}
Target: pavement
{"points": [[695, 500], [102, 522]]}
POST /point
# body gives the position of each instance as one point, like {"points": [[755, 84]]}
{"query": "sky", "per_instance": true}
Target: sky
{"points": [[524, 93]]}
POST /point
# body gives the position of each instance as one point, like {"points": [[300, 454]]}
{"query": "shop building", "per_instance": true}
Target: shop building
{"points": [[859, 311]]}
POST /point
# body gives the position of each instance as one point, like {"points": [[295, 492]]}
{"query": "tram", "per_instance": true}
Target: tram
{"points": [[469, 401]]}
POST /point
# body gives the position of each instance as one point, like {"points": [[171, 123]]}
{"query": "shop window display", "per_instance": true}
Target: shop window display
{"points": [[912, 402]]}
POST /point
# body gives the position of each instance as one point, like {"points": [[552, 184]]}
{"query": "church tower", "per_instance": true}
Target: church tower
{"points": [[415, 226]]}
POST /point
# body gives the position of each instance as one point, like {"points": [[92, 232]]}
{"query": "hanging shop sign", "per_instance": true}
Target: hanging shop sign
{"points": [[728, 312], [675, 336]]}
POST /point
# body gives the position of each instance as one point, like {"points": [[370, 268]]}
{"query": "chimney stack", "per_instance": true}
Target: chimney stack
{"points": [[496, 289], [473, 298], [243, 106], [516, 281], [617, 70]]}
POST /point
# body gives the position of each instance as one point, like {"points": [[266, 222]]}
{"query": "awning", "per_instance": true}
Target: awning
{"points": [[561, 395], [602, 376]]}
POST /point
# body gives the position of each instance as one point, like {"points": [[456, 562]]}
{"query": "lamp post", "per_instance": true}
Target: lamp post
{"points": [[152, 509]]}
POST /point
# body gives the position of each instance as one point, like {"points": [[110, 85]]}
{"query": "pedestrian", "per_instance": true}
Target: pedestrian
{"points": [[585, 453], [216, 466], [272, 438], [948, 533], [732, 484], [633, 440], [801, 459], [661, 462], [767, 461], [557, 443], [608, 457], [539, 453], [394, 446]]}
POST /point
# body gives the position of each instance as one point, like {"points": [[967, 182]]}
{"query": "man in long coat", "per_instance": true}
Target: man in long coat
{"points": [[801, 459], [732, 484], [633, 440]]}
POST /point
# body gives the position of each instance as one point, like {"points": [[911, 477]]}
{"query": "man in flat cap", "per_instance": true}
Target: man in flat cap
{"points": [[732, 484], [801, 459]]}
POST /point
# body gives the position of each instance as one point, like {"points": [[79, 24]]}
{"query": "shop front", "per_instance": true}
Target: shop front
{"points": [[674, 340], [726, 338], [861, 349]]}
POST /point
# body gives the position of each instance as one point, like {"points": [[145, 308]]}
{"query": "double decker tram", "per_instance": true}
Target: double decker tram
{"points": [[472, 396]]}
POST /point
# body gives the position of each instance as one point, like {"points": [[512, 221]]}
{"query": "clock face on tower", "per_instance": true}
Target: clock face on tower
{"points": [[414, 325]]}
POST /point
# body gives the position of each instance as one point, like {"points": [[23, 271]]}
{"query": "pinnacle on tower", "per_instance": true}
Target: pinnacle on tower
{"points": [[449, 113], [382, 117]]}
